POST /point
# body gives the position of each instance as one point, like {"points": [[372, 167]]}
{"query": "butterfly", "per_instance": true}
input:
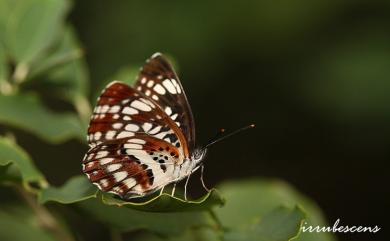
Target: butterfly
{"points": [[142, 138]]}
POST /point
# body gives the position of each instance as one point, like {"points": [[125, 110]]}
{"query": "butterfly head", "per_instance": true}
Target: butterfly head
{"points": [[198, 155]]}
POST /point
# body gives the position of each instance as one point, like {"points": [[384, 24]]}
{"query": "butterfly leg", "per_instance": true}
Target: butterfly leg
{"points": [[188, 178], [185, 187], [173, 189], [201, 179], [162, 190]]}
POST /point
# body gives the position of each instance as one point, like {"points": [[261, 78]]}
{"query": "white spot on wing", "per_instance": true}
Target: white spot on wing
{"points": [[130, 182], [119, 176], [105, 161], [113, 167], [97, 109], [138, 188], [117, 125], [173, 117], [124, 134], [110, 135], [104, 109], [176, 85], [159, 89], [131, 127], [138, 141], [170, 87], [133, 146], [115, 109], [150, 83], [154, 97], [140, 105], [97, 135], [104, 182], [146, 126], [168, 110], [129, 111], [101, 154], [155, 130]]}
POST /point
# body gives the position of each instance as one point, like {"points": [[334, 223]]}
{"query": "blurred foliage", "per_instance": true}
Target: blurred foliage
{"points": [[41, 61]]}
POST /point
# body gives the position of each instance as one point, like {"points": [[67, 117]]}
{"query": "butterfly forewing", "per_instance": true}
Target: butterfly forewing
{"points": [[158, 80], [122, 111], [135, 145]]}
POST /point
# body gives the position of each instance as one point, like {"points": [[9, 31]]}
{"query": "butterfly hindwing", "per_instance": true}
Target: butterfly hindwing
{"points": [[131, 167], [158, 80]]}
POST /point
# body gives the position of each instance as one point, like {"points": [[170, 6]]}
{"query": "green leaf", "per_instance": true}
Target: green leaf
{"points": [[126, 219], [79, 188], [263, 196], [3, 65], [11, 155], [65, 74], [5, 86], [281, 224], [31, 26], [76, 189], [19, 224], [168, 203], [64, 67], [27, 113], [191, 234]]}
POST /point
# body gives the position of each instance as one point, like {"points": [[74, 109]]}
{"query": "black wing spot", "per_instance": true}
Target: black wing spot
{"points": [[162, 166], [149, 172]]}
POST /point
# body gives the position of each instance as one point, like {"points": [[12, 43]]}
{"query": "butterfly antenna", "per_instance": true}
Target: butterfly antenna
{"points": [[219, 137]]}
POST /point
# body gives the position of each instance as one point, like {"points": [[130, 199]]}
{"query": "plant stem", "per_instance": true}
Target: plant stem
{"points": [[218, 224], [45, 219]]}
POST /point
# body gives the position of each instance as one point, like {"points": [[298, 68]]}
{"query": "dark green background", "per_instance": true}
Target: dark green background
{"points": [[314, 76]]}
